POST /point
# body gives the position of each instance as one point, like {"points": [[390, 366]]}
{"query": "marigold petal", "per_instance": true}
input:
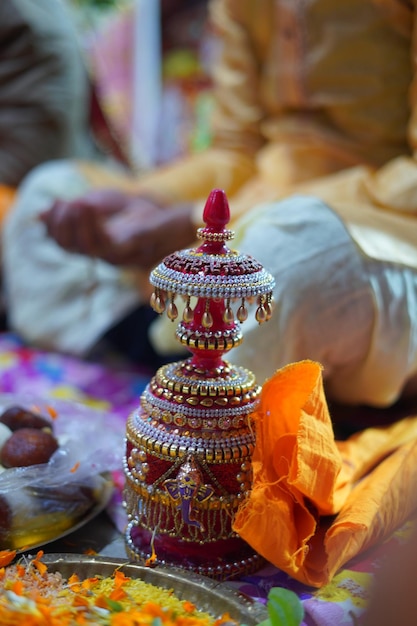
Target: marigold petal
{"points": [[189, 606], [153, 609], [120, 578], [41, 567], [224, 619], [52, 412], [80, 600], [90, 552], [75, 467], [17, 587], [6, 557], [73, 579], [101, 602], [21, 570], [118, 594]]}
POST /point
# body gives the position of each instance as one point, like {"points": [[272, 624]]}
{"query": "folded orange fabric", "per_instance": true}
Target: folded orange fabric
{"points": [[316, 502]]}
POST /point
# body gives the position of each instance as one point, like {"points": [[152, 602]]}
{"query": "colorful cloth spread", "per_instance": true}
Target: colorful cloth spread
{"points": [[340, 602]]}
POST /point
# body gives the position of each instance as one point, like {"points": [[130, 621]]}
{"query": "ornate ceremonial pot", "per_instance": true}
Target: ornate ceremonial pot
{"points": [[189, 443]]}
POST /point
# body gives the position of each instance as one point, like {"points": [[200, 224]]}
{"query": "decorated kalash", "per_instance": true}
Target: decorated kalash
{"points": [[189, 443]]}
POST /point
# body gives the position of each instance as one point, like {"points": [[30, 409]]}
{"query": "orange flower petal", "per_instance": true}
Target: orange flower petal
{"points": [[21, 571], [52, 412], [41, 567], [80, 601], [18, 587], [6, 557], [120, 579], [118, 594], [101, 602]]}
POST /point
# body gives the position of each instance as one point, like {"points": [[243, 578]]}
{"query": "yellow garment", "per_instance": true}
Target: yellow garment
{"points": [[7, 195], [314, 97], [316, 502]]}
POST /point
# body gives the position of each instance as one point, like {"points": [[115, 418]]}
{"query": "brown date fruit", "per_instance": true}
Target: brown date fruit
{"points": [[28, 446], [16, 417]]}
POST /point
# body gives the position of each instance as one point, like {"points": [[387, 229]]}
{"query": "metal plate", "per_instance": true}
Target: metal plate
{"points": [[208, 595]]}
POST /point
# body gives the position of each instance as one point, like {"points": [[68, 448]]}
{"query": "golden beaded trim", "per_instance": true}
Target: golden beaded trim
{"points": [[171, 450], [223, 343], [209, 235], [166, 379], [207, 402], [166, 408], [170, 416]]}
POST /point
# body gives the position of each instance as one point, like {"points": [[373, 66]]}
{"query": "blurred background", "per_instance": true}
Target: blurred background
{"points": [[148, 61]]}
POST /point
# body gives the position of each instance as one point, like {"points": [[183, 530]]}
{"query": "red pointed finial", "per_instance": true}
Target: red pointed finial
{"points": [[216, 212]]}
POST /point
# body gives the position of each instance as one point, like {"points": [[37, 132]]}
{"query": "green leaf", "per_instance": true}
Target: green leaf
{"points": [[114, 606], [284, 607]]}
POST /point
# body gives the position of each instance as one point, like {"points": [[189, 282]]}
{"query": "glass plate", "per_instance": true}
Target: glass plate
{"points": [[101, 501], [42, 503], [208, 595]]}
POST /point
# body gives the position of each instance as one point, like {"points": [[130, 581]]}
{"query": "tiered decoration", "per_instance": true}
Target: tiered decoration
{"points": [[189, 444]]}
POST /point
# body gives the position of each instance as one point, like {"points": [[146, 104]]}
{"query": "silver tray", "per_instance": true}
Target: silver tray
{"points": [[208, 595]]}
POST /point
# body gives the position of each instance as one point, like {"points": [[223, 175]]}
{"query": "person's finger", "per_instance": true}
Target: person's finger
{"points": [[90, 236], [46, 216], [106, 201], [57, 223], [132, 238]]}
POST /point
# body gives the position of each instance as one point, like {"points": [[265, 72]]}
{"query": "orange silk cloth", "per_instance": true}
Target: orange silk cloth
{"points": [[317, 502]]}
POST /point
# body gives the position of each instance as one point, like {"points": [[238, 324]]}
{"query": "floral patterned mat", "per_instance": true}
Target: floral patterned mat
{"points": [[28, 370], [117, 390]]}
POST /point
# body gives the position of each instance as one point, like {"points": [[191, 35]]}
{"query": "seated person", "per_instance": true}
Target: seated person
{"points": [[44, 88], [44, 93], [314, 141]]}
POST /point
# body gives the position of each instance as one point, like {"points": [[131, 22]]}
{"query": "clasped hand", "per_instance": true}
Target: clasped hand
{"points": [[121, 229]]}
